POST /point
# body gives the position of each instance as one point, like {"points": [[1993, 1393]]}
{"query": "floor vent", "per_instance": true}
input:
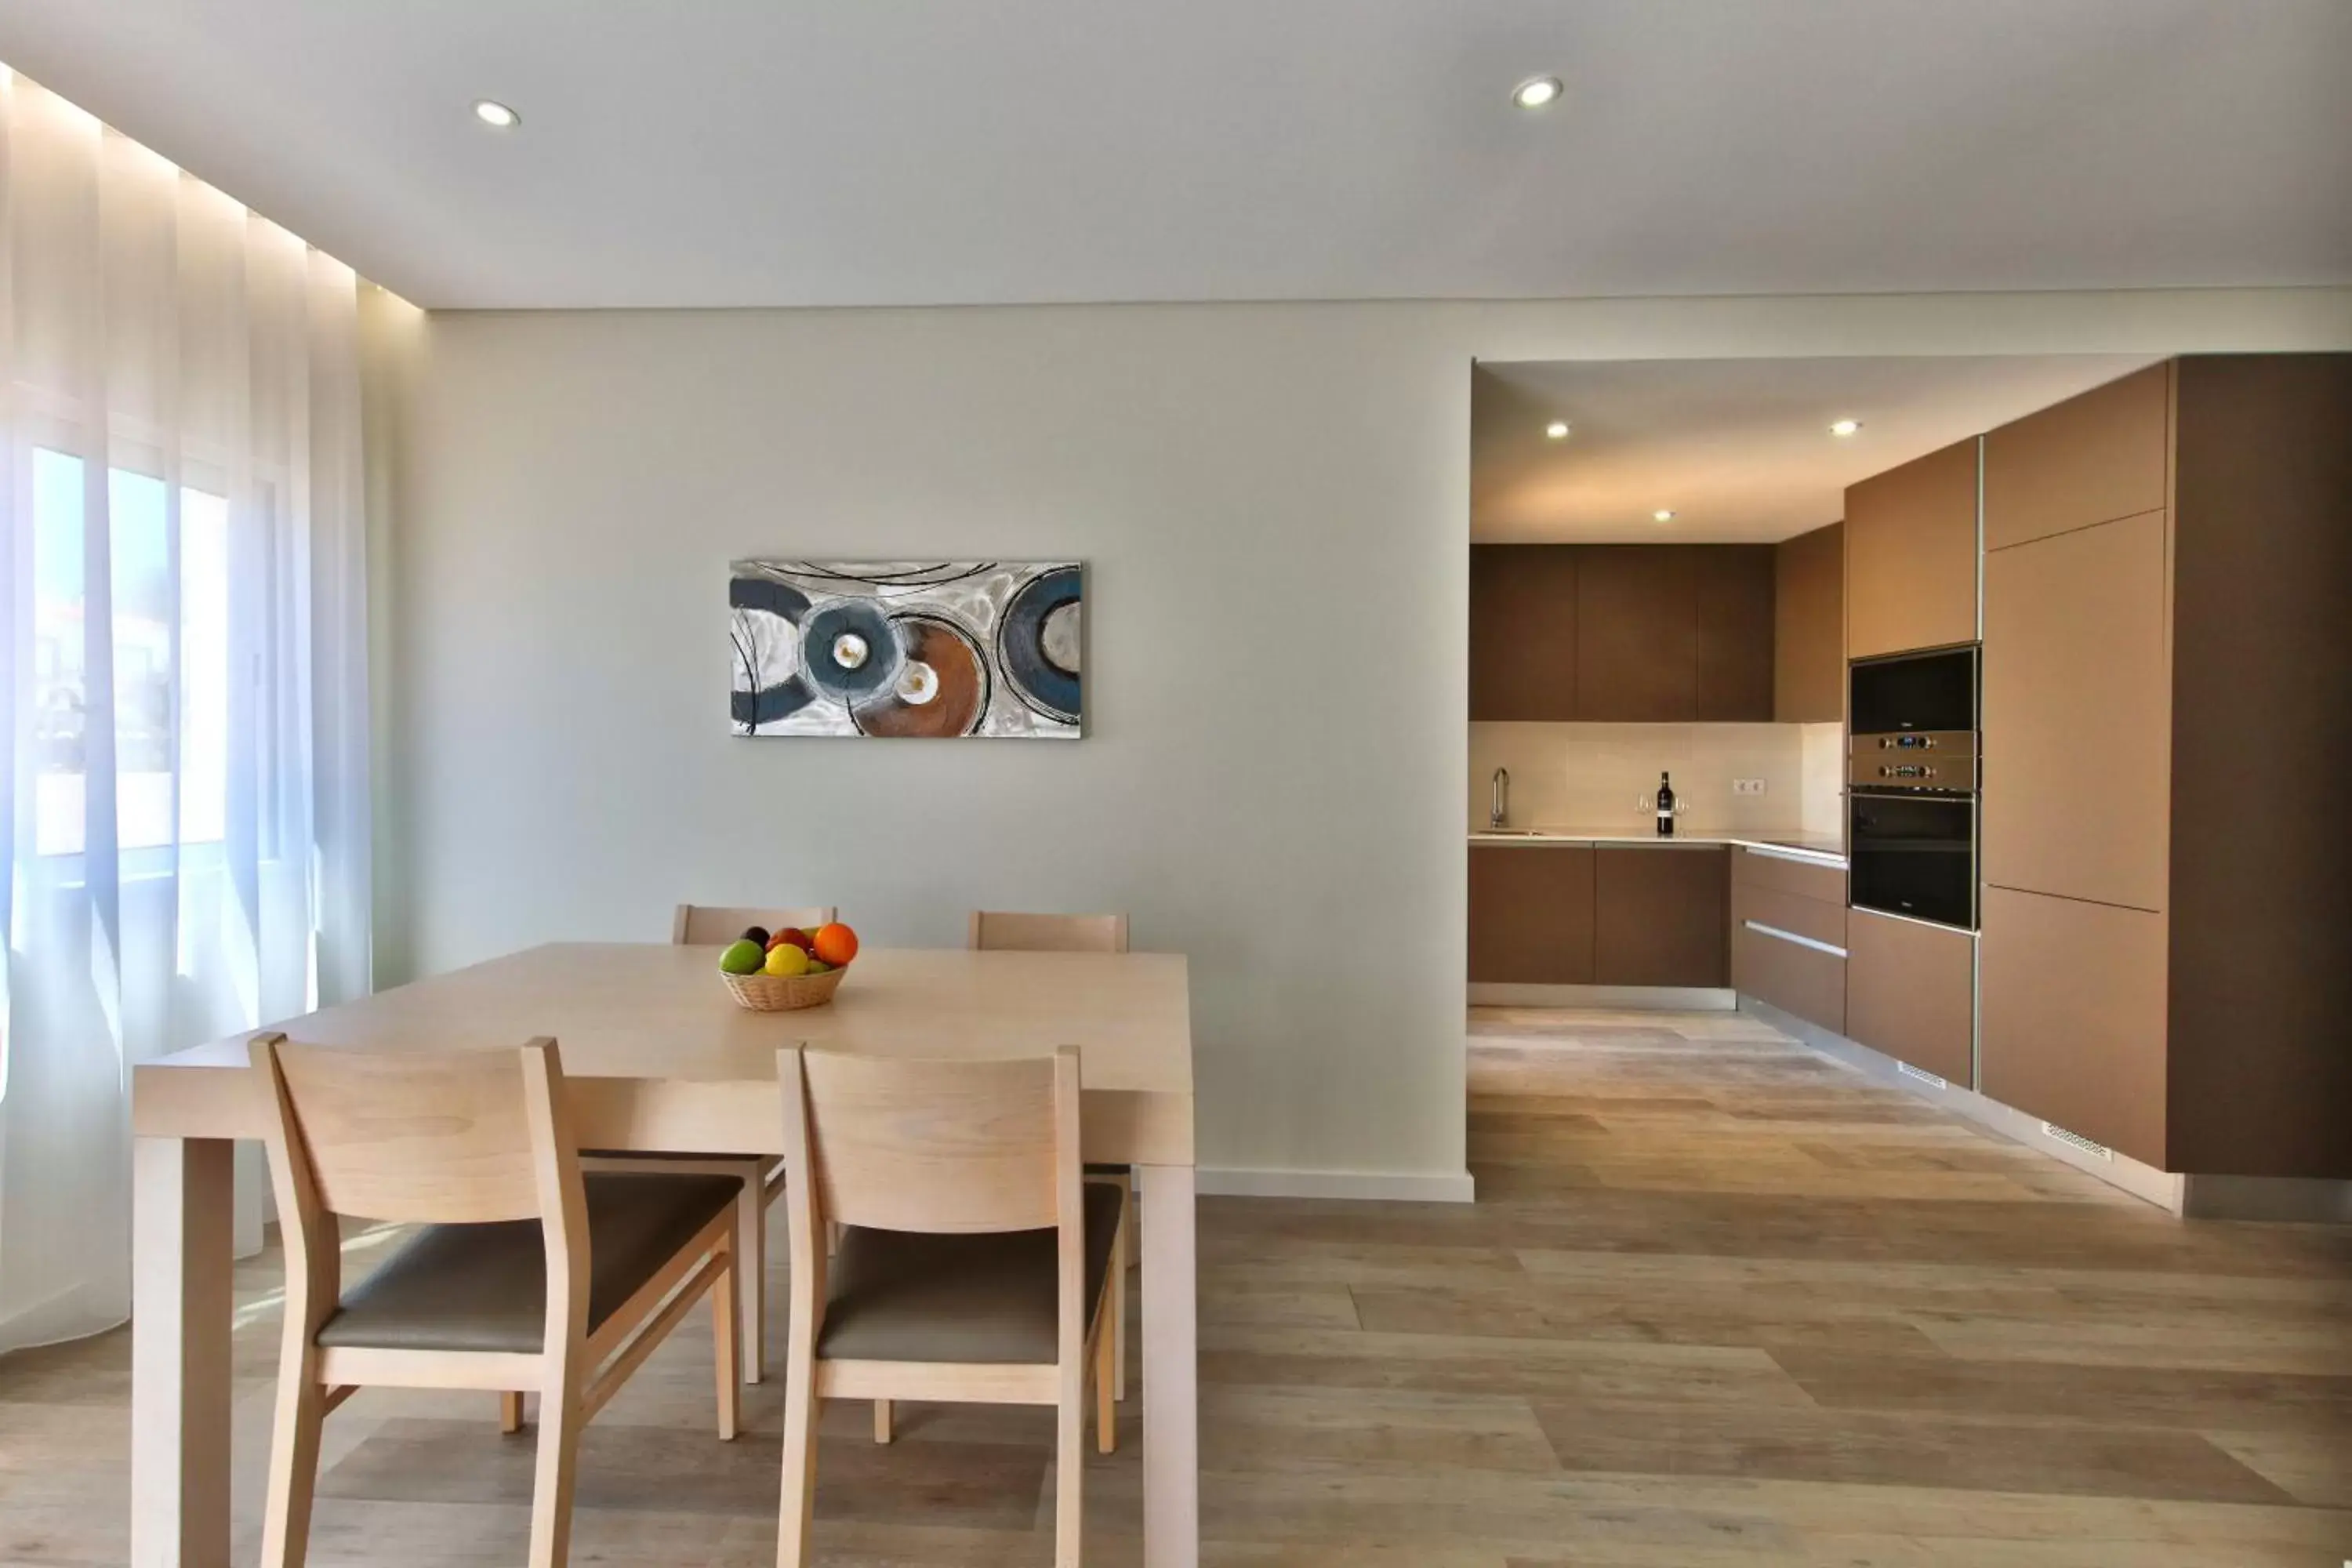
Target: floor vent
{"points": [[2096, 1151], [1907, 1070]]}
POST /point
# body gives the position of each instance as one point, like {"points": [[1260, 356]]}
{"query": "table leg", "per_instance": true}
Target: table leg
{"points": [[1171, 1400], [183, 1211]]}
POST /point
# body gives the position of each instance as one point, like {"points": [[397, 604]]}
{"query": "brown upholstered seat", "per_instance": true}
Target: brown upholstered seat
{"points": [[990, 1298], [484, 1287]]}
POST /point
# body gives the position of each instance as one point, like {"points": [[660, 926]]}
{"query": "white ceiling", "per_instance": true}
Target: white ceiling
{"points": [[1737, 450], [863, 151]]}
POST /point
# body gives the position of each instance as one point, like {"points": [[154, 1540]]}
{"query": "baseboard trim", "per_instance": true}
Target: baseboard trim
{"points": [[1390, 1187], [2144, 1183], [1617, 998], [2298, 1200]]}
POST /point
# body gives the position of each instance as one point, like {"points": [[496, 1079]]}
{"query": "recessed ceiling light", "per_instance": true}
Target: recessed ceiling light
{"points": [[1537, 91], [1845, 427], [496, 115], [1557, 430], [1662, 515]]}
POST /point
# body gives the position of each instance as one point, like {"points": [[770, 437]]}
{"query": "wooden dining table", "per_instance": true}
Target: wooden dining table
{"points": [[658, 1058]]}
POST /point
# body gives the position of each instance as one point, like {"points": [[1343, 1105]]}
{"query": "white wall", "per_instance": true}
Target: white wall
{"points": [[1273, 503]]}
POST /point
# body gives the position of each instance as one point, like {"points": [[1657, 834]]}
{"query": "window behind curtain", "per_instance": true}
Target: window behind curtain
{"points": [[158, 688]]}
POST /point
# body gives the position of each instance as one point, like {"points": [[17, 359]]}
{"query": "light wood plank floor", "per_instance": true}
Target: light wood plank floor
{"points": [[1721, 1301]]}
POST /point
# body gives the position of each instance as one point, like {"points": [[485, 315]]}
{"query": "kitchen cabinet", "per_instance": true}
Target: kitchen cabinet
{"points": [[1788, 936], [1531, 910], [1627, 633], [2090, 460], [1808, 628], [2077, 714], [1661, 915], [2168, 718], [1911, 555], [1735, 628], [1523, 632], [1910, 992], [2073, 1018], [1636, 635]]}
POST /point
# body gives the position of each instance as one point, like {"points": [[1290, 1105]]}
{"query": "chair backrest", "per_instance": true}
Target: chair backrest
{"points": [[1006, 931], [933, 1146], [704, 925], [415, 1137], [418, 1137]]}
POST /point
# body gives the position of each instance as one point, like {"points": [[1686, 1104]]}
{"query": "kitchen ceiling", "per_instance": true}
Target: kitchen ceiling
{"points": [[743, 152], [1737, 450]]}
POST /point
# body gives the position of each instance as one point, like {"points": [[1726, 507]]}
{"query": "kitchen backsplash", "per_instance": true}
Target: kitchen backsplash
{"points": [[1599, 775]]}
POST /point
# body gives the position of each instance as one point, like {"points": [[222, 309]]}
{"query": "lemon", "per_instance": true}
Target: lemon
{"points": [[784, 959], [742, 958]]}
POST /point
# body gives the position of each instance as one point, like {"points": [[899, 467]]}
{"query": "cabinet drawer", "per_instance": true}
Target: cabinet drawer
{"points": [[1803, 877], [1910, 992], [1795, 978], [1808, 917]]}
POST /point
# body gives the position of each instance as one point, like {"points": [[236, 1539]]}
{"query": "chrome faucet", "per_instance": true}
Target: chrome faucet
{"points": [[1499, 803]]}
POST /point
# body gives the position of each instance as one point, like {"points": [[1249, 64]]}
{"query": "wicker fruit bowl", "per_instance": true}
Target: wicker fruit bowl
{"points": [[782, 993]]}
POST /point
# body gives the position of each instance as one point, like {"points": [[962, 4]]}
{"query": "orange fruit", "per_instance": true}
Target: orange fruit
{"points": [[837, 943]]}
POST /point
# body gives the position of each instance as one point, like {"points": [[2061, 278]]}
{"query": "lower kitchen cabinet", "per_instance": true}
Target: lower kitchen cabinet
{"points": [[1662, 915], [1910, 992], [2074, 1024], [1532, 914], [1788, 936]]}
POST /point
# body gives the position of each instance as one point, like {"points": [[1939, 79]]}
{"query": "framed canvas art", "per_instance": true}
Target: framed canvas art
{"points": [[906, 648]]}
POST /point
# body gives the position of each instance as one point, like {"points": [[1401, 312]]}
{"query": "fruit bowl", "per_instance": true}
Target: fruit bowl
{"points": [[782, 993]]}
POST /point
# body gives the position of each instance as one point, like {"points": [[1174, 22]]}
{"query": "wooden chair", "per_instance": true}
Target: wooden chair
{"points": [[755, 1174], [528, 1274], [974, 1265], [1003, 931]]}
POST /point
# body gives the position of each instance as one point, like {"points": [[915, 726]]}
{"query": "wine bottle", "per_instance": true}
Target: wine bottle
{"points": [[1665, 806]]}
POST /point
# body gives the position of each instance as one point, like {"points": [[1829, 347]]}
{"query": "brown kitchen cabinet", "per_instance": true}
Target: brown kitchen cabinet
{"points": [[1911, 555], [2077, 714], [1531, 908], [1808, 628], [1523, 632], [1627, 633], [2090, 460], [1636, 634], [1661, 915], [1788, 936], [2168, 718], [1735, 628], [2073, 1018], [1910, 992]]}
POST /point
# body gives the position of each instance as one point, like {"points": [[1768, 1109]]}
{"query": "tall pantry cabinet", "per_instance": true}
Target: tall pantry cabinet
{"points": [[2166, 857]]}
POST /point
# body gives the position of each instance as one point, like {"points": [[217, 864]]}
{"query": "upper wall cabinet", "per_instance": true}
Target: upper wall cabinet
{"points": [[1808, 628], [1523, 631], [2091, 459], [1626, 633], [1911, 555], [1636, 636]]}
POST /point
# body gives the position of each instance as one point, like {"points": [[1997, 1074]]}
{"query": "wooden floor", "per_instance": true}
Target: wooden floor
{"points": [[1721, 1301]]}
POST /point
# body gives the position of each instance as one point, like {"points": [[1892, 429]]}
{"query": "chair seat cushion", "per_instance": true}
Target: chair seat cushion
{"points": [[993, 1298], [484, 1287]]}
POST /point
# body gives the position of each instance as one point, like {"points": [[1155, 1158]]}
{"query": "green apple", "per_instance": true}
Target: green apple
{"points": [[742, 958]]}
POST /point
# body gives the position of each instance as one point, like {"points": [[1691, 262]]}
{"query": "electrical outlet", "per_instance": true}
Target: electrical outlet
{"points": [[1748, 786]]}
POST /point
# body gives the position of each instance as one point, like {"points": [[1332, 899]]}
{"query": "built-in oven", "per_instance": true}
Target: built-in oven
{"points": [[1913, 854], [1912, 776]]}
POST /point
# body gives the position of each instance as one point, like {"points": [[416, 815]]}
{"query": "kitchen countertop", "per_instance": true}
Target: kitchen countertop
{"points": [[1825, 848]]}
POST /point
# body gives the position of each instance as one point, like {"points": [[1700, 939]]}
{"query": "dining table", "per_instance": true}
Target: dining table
{"points": [[659, 1057]]}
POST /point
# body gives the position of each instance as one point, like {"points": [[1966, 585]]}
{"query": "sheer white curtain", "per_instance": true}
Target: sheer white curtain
{"points": [[182, 646]]}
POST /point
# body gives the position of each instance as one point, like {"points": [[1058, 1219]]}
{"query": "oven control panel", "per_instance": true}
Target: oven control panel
{"points": [[1940, 760]]}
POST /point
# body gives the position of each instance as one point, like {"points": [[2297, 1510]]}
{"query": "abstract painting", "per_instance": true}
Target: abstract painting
{"points": [[906, 648]]}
